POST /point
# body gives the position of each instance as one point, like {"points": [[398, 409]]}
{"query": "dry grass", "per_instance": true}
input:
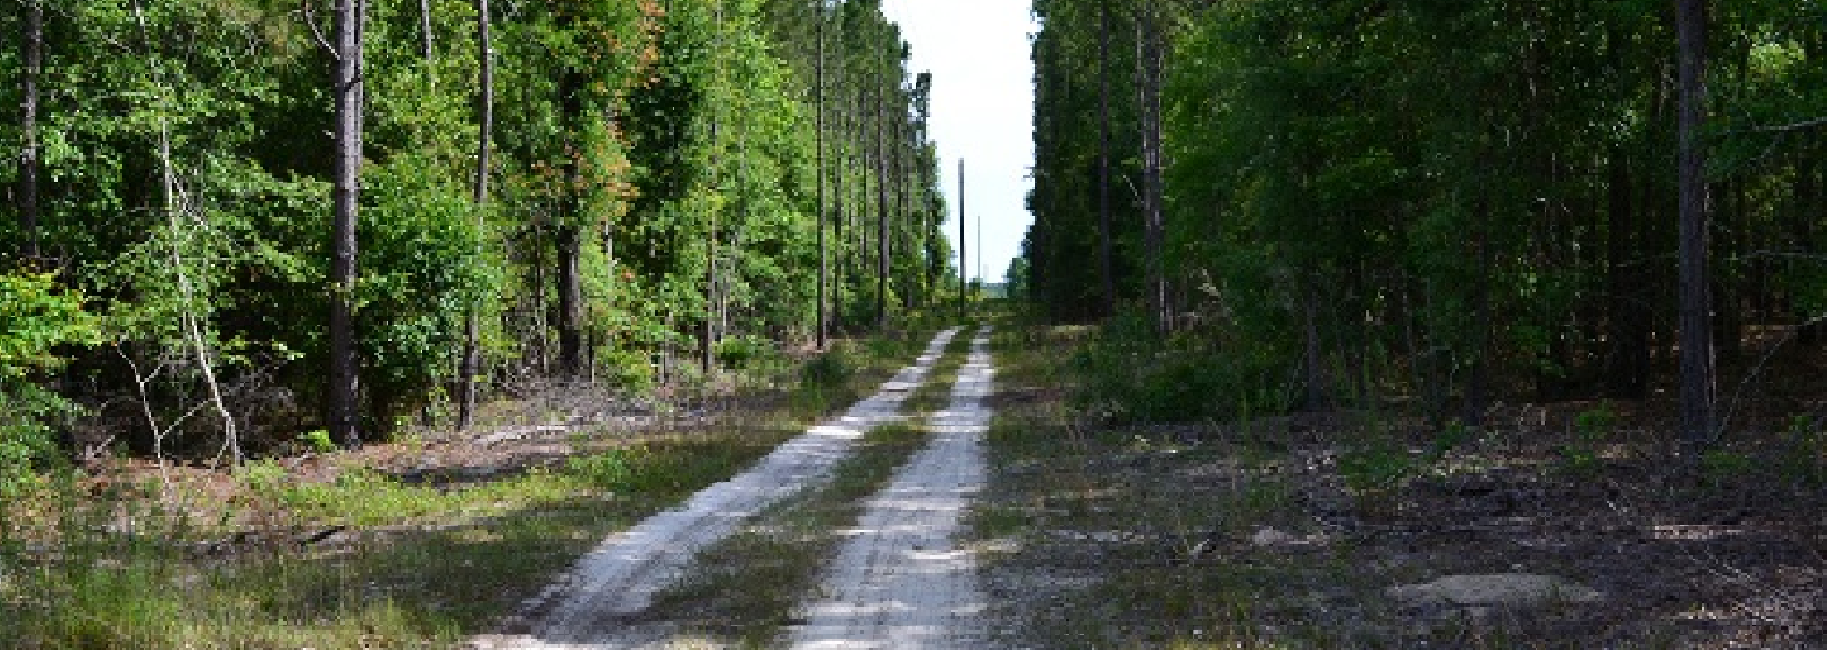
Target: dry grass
{"points": [[1143, 537], [420, 543]]}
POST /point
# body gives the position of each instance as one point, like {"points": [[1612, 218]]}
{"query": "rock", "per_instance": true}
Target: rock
{"points": [[1269, 536], [1501, 589]]}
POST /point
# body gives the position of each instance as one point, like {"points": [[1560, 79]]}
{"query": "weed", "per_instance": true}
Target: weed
{"points": [[1581, 454], [1376, 466], [747, 586], [1721, 467], [828, 371], [318, 440]]}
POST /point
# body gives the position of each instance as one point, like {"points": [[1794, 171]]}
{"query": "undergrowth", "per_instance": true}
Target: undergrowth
{"points": [[364, 560]]}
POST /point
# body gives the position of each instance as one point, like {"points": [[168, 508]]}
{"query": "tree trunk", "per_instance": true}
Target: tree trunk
{"points": [[1109, 291], [567, 243], [1315, 374], [883, 214], [962, 238], [819, 169], [1149, 99], [425, 30], [1696, 361], [467, 368], [1474, 397], [343, 389], [567, 235], [33, 50], [1629, 360]]}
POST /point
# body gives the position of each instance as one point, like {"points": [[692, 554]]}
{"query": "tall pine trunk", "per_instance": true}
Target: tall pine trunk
{"points": [[1696, 360], [1108, 289], [881, 168], [567, 243], [1149, 100], [819, 168], [33, 50], [343, 389], [467, 368]]}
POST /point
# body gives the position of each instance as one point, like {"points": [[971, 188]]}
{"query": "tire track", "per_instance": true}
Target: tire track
{"points": [[591, 605], [901, 580]]}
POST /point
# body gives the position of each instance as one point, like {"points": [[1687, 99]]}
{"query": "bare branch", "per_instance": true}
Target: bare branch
{"points": [[1782, 128], [311, 20]]}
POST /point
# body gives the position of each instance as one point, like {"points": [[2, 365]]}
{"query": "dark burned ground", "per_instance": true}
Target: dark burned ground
{"points": [[1288, 532]]}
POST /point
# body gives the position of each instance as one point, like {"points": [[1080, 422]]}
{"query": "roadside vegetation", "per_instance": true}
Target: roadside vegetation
{"points": [[418, 543], [1289, 529]]}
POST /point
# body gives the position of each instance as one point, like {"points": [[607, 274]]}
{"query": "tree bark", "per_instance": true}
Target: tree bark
{"points": [[468, 366], [425, 30], [33, 51], [343, 389], [1629, 360], [1109, 292], [819, 168], [1149, 99], [883, 213], [567, 244], [1696, 361]]}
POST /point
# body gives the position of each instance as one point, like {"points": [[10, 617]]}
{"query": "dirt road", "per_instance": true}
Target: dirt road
{"points": [[596, 604], [901, 580]]}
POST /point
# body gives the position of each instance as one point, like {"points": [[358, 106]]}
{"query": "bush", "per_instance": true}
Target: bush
{"points": [[35, 319], [1129, 374], [829, 371], [740, 351]]}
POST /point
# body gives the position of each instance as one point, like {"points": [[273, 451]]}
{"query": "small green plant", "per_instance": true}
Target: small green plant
{"points": [[1453, 435], [606, 470], [1721, 467], [1802, 459], [1377, 466], [828, 371], [1581, 455], [741, 351], [318, 440]]}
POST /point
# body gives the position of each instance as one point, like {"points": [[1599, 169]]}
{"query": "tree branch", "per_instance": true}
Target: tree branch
{"points": [[311, 21]]}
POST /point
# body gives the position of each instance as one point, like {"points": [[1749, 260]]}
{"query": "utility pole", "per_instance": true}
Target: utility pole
{"points": [[962, 238]]}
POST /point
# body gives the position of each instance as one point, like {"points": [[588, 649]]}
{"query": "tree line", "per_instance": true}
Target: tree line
{"points": [[288, 215], [1458, 202]]}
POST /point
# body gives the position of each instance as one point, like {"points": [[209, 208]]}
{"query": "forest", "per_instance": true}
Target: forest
{"points": [[566, 323], [1443, 205], [233, 222]]}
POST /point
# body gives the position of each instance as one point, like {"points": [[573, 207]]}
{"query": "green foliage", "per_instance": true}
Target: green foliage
{"points": [[1592, 426], [36, 320], [1376, 466], [743, 351], [318, 440], [1128, 375], [1328, 205], [828, 371]]}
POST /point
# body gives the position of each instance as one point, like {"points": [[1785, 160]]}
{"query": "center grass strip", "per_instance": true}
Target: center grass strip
{"points": [[749, 586]]}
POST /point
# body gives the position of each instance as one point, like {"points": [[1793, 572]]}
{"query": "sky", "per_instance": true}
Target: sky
{"points": [[982, 102]]}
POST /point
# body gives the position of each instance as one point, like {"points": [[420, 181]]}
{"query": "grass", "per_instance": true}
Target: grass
{"points": [[410, 582], [89, 562], [1143, 536], [1101, 532], [747, 587]]}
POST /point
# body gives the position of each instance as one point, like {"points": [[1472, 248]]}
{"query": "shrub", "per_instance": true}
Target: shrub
{"points": [[35, 319], [828, 371], [1129, 374]]}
